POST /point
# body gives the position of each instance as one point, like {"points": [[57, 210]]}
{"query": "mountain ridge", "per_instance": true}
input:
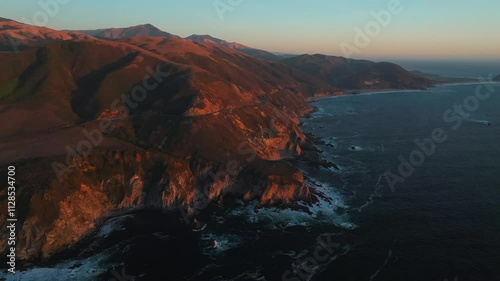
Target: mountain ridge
{"points": [[362, 74], [358, 74], [233, 45], [131, 31], [15, 36]]}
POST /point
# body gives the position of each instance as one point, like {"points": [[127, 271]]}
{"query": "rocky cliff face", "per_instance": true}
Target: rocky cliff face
{"points": [[59, 213], [113, 126]]}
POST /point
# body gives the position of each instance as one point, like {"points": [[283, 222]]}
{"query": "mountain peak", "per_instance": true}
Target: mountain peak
{"points": [[145, 25], [131, 31]]}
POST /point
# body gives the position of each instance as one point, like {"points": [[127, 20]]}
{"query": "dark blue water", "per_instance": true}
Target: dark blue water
{"points": [[443, 221]]}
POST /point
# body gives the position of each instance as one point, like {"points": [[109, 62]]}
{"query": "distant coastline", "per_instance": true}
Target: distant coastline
{"points": [[349, 92]]}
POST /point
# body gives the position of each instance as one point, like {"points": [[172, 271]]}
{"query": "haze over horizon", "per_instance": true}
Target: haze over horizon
{"points": [[423, 29]]}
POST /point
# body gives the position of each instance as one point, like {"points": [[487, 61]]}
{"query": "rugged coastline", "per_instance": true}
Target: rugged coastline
{"points": [[200, 125]]}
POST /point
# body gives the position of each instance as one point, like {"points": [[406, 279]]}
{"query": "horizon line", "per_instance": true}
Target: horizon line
{"points": [[278, 53]]}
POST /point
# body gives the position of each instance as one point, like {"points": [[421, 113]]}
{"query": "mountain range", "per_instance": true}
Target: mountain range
{"points": [[339, 72], [110, 120]]}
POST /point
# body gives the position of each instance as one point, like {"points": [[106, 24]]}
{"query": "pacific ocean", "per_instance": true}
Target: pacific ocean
{"points": [[442, 221]]}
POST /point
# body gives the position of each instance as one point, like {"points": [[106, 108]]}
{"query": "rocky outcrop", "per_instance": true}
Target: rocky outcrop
{"points": [[59, 213]]}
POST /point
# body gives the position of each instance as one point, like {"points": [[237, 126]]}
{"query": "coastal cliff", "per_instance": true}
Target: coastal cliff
{"points": [[145, 123]]}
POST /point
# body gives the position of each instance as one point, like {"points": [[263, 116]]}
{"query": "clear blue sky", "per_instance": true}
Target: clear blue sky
{"points": [[424, 28]]}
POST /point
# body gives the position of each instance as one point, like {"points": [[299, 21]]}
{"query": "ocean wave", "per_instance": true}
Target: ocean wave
{"points": [[484, 122], [82, 270], [328, 210], [218, 243], [113, 225]]}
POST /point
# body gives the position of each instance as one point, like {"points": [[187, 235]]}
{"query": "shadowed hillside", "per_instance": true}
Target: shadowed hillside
{"points": [[358, 74]]}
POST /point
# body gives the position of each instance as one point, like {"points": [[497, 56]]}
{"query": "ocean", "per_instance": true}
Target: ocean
{"points": [[443, 221]]}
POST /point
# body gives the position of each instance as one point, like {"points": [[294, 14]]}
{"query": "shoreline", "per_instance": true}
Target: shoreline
{"points": [[315, 141], [382, 91]]}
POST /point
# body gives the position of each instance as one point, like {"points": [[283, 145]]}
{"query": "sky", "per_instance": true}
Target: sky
{"points": [[458, 29]]}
